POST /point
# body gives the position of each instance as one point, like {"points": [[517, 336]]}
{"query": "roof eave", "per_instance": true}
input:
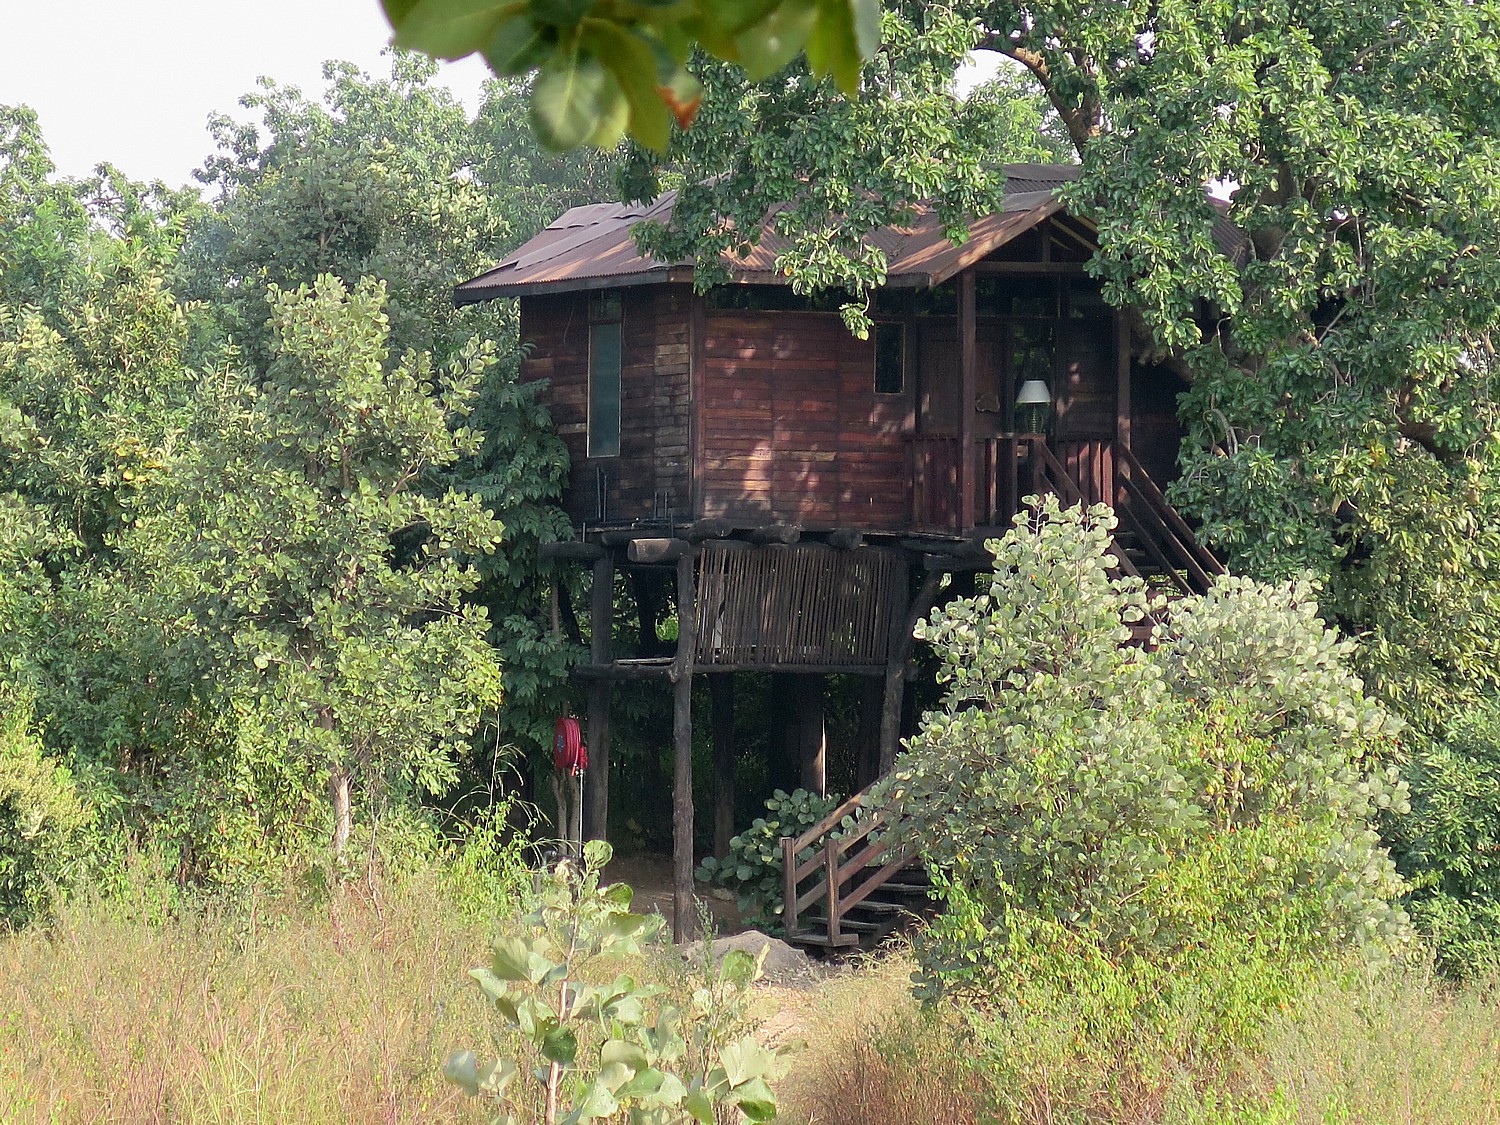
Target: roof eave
{"points": [[469, 294]]}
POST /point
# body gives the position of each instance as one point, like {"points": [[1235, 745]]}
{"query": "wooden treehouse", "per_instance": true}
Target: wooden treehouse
{"points": [[800, 494]]}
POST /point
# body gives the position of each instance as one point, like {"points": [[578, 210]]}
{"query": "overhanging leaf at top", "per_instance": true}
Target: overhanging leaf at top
{"points": [[604, 68]]}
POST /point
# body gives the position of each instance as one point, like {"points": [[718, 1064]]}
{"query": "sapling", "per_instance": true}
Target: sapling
{"points": [[605, 1045]]}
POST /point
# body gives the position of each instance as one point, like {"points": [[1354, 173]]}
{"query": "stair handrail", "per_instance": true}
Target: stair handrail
{"points": [[830, 857], [1140, 483], [1042, 455]]}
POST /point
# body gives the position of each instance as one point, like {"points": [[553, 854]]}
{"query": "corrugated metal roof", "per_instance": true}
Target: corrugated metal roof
{"points": [[592, 247]]}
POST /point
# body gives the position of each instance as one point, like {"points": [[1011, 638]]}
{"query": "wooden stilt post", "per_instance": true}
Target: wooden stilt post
{"points": [[895, 670], [721, 694], [682, 740], [601, 691], [812, 734], [786, 763]]}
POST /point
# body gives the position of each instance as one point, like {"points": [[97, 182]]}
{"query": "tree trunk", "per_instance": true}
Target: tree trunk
{"points": [[343, 810]]}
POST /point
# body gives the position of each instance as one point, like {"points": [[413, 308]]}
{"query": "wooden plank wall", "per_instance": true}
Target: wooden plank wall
{"points": [[1155, 433], [792, 429], [655, 392], [1085, 381]]}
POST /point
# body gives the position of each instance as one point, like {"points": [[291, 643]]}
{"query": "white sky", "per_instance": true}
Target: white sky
{"points": [[133, 81]]}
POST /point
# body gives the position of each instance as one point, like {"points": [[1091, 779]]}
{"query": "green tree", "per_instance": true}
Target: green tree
{"points": [[320, 568], [389, 178], [835, 168], [1198, 808]]}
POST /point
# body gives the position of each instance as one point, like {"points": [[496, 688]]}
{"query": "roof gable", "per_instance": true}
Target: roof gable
{"points": [[592, 247]]}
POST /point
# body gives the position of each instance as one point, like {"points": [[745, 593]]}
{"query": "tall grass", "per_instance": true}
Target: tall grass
{"points": [[341, 1013], [1401, 1049], [871, 1056]]}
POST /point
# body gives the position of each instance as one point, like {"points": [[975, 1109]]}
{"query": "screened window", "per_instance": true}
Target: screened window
{"points": [[604, 389], [890, 359]]}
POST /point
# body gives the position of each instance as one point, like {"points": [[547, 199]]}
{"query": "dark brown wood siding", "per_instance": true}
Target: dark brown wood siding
{"points": [[652, 474], [1155, 433], [791, 427]]}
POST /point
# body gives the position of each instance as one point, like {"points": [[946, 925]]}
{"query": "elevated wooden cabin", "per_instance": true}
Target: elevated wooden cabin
{"points": [[809, 489], [754, 405]]}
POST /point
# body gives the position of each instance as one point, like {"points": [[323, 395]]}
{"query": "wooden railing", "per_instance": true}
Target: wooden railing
{"points": [[1011, 467], [840, 871], [1161, 531], [932, 462]]}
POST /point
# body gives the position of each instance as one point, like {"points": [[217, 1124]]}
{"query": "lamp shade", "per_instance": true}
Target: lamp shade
{"points": [[1034, 392]]}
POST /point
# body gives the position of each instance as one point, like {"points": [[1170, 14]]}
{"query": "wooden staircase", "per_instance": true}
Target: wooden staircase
{"points": [[850, 881]]}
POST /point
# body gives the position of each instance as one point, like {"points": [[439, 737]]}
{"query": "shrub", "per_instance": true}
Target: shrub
{"points": [[1193, 817], [42, 817], [1451, 843], [753, 869]]}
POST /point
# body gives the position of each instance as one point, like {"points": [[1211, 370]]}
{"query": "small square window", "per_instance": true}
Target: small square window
{"points": [[890, 359], [604, 305]]}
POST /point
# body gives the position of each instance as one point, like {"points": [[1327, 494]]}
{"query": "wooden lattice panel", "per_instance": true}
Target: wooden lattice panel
{"points": [[797, 606]]}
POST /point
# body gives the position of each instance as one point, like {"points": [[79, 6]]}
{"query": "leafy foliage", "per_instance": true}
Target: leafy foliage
{"points": [[754, 867], [327, 586], [1206, 805], [42, 817], [1450, 846], [387, 178], [643, 1065], [1341, 412], [832, 169], [603, 70]]}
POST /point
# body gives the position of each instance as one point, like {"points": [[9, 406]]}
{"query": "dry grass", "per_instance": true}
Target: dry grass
{"points": [[1401, 1050], [337, 1015], [872, 1057]]}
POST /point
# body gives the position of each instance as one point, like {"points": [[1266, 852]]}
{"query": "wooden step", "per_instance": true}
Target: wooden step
{"points": [[815, 937]]}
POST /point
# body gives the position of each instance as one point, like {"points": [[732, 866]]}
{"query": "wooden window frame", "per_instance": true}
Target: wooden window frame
{"points": [[605, 313], [902, 350]]}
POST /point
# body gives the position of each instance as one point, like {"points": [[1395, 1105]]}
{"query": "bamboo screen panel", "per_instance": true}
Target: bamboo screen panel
{"points": [[797, 605]]}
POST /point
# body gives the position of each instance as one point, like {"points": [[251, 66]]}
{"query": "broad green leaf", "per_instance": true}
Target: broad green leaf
{"points": [[567, 100], [614, 116], [510, 959], [597, 854], [451, 29], [559, 13], [597, 1102], [766, 47], [756, 1100], [739, 968], [462, 1069], [561, 1046], [833, 47], [623, 1051], [635, 66], [700, 1106], [518, 45], [745, 1059]]}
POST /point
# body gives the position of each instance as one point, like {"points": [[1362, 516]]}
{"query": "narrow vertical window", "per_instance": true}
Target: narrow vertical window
{"points": [[890, 359], [604, 379]]}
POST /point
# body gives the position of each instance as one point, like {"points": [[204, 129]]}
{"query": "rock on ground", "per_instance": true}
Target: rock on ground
{"points": [[784, 965]]}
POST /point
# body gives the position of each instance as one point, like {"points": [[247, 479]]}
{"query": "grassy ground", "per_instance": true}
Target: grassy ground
{"points": [[1399, 1049], [344, 1012], [341, 1014]]}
